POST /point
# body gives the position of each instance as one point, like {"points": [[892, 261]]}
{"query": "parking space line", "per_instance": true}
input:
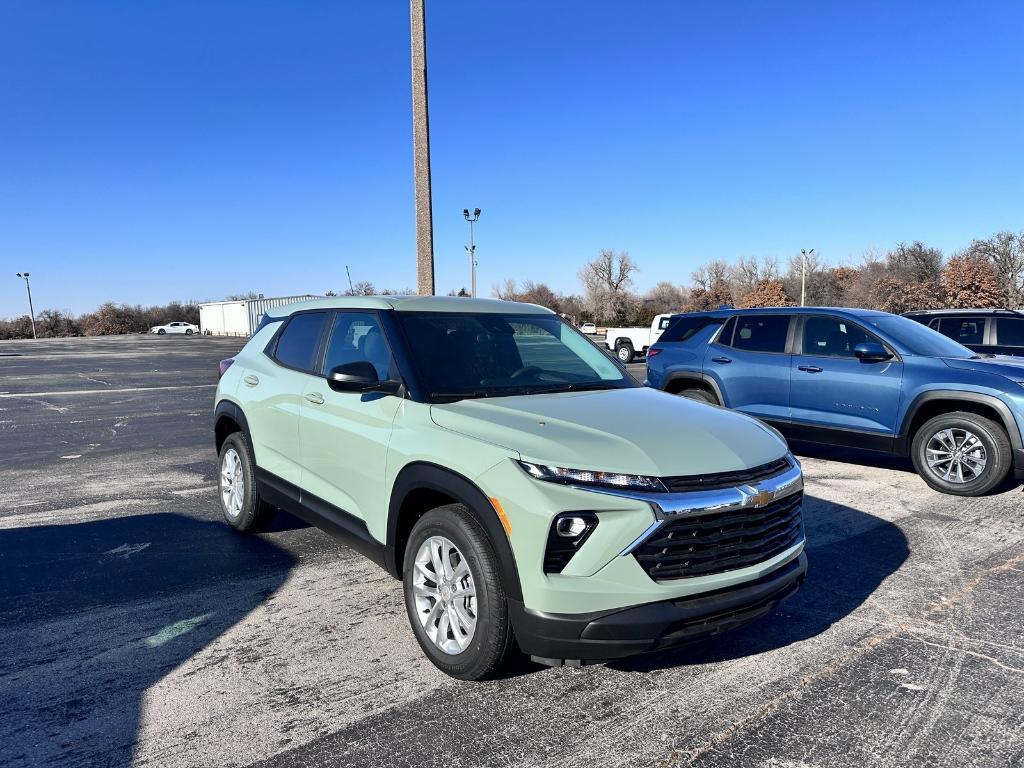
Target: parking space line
{"points": [[103, 391]]}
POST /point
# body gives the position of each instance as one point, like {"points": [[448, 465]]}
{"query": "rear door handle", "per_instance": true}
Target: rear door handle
{"points": [[721, 359], [315, 398], [251, 380], [809, 368]]}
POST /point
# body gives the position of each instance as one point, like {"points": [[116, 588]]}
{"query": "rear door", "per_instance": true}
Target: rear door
{"points": [[345, 435], [272, 393], [1009, 336], [750, 362], [833, 388]]}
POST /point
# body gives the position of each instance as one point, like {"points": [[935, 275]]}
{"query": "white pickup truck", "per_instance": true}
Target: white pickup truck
{"points": [[628, 343]]}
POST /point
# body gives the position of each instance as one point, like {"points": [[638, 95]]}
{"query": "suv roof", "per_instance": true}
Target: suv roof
{"points": [[729, 312], [412, 304], [966, 311]]}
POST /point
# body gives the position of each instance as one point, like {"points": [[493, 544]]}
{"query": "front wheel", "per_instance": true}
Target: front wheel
{"points": [[625, 353], [961, 453], [699, 394], [453, 595], [161, 332]]}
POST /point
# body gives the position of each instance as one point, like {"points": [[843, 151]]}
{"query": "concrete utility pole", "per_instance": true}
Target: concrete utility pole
{"points": [[804, 253], [421, 151], [31, 311], [472, 247]]}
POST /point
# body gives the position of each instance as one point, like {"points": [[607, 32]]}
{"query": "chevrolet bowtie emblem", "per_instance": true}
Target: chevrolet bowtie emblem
{"points": [[755, 498]]}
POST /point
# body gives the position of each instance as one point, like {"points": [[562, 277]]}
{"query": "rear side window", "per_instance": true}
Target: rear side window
{"points": [[966, 330], [761, 333], [1010, 331], [297, 345], [685, 327]]}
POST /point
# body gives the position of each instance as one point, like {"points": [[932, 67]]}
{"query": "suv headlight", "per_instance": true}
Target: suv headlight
{"points": [[567, 476]]}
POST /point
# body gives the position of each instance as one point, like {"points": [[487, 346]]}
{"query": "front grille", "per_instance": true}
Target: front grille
{"points": [[733, 479], [699, 545]]}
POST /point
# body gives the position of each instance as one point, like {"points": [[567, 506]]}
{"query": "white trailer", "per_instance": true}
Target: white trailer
{"points": [[241, 317]]}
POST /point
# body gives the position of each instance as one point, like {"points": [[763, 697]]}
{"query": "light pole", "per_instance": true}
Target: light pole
{"points": [[804, 254], [31, 311], [472, 247]]}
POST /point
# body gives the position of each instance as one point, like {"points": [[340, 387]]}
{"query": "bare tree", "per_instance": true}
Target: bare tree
{"points": [[606, 284], [749, 272], [708, 275], [667, 297], [362, 288], [1006, 252]]}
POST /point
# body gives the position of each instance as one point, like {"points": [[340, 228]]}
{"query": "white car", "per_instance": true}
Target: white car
{"points": [[588, 328], [177, 327]]}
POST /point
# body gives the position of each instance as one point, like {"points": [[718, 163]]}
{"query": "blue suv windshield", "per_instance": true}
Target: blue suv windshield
{"points": [[918, 339]]}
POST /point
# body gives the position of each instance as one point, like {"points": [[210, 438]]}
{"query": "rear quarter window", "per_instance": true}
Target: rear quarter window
{"points": [[299, 341], [685, 327]]}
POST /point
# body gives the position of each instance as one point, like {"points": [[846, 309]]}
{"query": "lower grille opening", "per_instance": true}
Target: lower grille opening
{"points": [[700, 545]]}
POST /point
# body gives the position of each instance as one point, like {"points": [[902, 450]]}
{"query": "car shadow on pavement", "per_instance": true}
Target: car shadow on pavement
{"points": [[95, 613], [850, 553]]}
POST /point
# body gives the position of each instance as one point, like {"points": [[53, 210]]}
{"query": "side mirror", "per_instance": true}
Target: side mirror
{"points": [[871, 352], [359, 376]]}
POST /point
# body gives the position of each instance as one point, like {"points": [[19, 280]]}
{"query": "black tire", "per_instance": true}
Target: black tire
{"points": [[161, 332], [492, 642], [991, 437], [255, 513], [625, 353], [699, 394], [188, 331]]}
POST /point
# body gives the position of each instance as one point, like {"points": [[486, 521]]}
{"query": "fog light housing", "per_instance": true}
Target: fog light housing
{"points": [[567, 534]]}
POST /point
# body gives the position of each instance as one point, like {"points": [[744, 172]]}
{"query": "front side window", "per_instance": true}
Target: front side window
{"points": [[832, 337], [1010, 331], [358, 336], [492, 355], [966, 330], [297, 345], [761, 333]]}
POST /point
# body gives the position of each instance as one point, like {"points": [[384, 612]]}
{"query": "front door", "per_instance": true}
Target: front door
{"points": [[833, 388], [345, 435]]}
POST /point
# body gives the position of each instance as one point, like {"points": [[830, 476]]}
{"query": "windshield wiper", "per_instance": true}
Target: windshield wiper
{"points": [[461, 395]]}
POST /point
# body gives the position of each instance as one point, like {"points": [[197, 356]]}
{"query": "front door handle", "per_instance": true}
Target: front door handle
{"points": [[315, 398], [251, 380], [809, 368], [721, 359]]}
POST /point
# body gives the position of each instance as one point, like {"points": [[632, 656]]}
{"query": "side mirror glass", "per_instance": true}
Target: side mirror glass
{"points": [[871, 352]]}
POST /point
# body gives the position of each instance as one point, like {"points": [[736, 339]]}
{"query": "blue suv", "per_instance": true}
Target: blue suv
{"points": [[857, 378]]}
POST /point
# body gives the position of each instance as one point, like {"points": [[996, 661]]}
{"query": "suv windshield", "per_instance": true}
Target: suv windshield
{"points": [[917, 338], [491, 355]]}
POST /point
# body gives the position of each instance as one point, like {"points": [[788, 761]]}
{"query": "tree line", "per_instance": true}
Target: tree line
{"points": [[109, 319], [988, 273]]}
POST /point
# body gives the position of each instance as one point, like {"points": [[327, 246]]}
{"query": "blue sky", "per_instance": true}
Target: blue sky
{"points": [[159, 150]]}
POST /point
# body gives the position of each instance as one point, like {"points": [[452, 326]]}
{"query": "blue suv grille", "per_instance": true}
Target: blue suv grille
{"points": [[725, 479], [700, 545]]}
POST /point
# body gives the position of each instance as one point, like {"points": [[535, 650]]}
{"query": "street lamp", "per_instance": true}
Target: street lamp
{"points": [[471, 248], [804, 253], [31, 312]]}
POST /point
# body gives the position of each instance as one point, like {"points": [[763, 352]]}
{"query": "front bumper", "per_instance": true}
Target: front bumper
{"points": [[556, 639]]}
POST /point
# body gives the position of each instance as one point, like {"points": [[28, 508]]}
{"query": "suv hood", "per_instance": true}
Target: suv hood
{"points": [[638, 431], [1010, 367]]}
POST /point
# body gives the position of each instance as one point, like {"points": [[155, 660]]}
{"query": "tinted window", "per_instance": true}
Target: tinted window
{"points": [[916, 338], [1010, 331], [684, 327], [664, 323], [832, 336], [761, 333], [491, 355], [297, 345], [358, 336], [966, 330]]}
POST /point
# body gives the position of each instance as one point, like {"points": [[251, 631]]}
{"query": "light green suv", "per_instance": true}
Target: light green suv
{"points": [[518, 481]]}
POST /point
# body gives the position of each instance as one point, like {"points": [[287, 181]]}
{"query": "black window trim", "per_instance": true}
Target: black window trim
{"points": [[786, 350], [798, 340]]}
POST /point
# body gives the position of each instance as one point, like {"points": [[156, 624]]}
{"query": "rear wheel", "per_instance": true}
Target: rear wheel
{"points": [[699, 394], [961, 453], [453, 595], [188, 331], [625, 353], [240, 500]]}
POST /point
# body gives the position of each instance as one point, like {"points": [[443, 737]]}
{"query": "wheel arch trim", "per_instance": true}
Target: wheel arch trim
{"points": [[979, 398], [420, 475], [696, 378], [231, 410]]}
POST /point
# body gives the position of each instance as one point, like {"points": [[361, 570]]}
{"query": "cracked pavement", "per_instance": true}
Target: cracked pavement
{"points": [[138, 630]]}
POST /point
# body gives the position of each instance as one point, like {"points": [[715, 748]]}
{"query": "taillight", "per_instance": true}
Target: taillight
{"points": [[653, 352], [223, 365]]}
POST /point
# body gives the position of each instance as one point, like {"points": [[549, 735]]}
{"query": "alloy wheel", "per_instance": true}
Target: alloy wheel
{"points": [[956, 455], [232, 483], [445, 595]]}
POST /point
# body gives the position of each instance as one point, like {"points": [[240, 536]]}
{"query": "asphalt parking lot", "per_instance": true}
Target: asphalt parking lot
{"points": [[136, 629]]}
